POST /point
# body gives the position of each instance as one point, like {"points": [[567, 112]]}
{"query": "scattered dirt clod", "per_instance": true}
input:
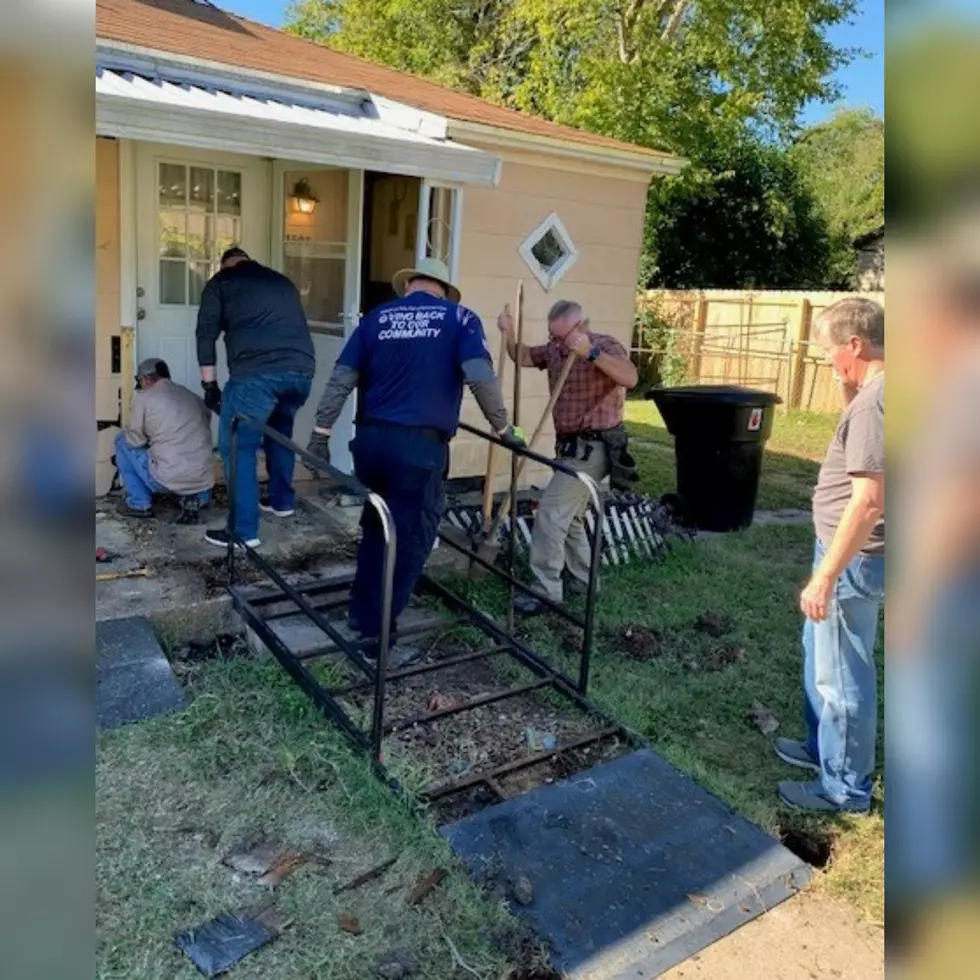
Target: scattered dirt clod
{"points": [[254, 859], [350, 924], [440, 702], [523, 890], [639, 642], [715, 624]]}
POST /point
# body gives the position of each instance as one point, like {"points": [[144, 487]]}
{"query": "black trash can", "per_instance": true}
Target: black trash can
{"points": [[720, 432]]}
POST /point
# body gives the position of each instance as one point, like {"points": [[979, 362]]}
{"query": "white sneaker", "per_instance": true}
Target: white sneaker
{"points": [[267, 508]]}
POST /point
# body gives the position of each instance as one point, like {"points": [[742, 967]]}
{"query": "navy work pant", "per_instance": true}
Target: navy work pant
{"points": [[407, 468]]}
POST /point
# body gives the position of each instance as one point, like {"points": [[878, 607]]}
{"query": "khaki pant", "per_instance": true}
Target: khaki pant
{"points": [[560, 538]]}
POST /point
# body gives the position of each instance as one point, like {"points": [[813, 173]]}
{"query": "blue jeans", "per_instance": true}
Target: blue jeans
{"points": [[133, 463], [408, 470], [273, 399], [840, 680]]}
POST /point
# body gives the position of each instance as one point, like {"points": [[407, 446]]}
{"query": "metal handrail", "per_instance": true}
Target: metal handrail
{"points": [[388, 569], [592, 488]]}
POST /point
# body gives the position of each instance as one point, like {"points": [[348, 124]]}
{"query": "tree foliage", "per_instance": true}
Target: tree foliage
{"points": [[672, 74], [739, 217], [843, 163]]}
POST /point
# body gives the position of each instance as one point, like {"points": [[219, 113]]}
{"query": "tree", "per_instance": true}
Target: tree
{"points": [[674, 74], [842, 161], [739, 217]]}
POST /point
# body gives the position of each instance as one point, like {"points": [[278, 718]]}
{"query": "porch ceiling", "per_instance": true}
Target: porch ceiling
{"points": [[346, 133]]}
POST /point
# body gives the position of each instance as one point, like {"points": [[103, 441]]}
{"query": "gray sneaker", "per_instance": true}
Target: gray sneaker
{"points": [[795, 753]]}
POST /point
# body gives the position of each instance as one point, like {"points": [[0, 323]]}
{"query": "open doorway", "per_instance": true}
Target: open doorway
{"points": [[391, 216], [405, 219]]}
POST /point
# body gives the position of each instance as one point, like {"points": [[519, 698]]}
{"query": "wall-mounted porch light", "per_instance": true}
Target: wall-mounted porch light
{"points": [[303, 199]]}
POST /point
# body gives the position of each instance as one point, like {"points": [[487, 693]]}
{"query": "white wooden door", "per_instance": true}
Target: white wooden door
{"points": [[190, 206]]}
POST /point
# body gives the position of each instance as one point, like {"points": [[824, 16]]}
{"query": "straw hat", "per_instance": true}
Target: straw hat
{"points": [[426, 269]]}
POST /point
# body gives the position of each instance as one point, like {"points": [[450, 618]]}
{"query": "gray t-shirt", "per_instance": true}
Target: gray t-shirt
{"points": [[858, 447]]}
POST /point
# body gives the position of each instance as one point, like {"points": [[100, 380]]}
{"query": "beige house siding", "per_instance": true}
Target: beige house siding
{"points": [[106, 274], [603, 211]]}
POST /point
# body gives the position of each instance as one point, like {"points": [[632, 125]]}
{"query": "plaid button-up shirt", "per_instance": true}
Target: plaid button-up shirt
{"points": [[590, 399]]}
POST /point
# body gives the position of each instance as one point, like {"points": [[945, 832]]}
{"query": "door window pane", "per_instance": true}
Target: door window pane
{"points": [[198, 275], [315, 245], [173, 185], [173, 282], [229, 192], [198, 218]]}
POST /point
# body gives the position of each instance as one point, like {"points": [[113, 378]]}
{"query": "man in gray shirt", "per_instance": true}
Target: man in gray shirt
{"points": [[842, 601], [167, 444]]}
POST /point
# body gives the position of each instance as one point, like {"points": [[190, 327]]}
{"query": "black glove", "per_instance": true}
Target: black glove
{"points": [[212, 396], [319, 446], [513, 435]]}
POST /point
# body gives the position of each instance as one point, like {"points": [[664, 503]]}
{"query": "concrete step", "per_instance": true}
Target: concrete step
{"points": [[307, 640]]}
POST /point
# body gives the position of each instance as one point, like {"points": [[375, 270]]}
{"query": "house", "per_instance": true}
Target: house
{"points": [[871, 261], [214, 130]]}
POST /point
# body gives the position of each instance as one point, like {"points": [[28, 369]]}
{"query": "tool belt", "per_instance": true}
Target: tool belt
{"points": [[622, 466]]}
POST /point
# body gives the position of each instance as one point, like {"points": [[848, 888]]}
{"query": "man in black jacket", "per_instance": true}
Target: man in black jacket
{"points": [[271, 365]]}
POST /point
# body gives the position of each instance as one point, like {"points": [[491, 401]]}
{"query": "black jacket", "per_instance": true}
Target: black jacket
{"points": [[260, 312]]}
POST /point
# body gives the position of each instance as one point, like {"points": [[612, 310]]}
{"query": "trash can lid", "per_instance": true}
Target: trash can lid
{"points": [[717, 395]]}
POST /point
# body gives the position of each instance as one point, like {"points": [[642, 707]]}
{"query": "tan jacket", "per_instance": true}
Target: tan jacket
{"points": [[176, 426]]}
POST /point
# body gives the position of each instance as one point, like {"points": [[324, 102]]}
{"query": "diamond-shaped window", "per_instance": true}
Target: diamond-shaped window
{"points": [[549, 251]]}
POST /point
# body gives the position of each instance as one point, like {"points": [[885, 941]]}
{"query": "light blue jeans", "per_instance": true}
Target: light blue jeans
{"points": [[840, 680]]}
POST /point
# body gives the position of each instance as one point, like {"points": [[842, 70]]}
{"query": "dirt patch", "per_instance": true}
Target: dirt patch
{"points": [[689, 648], [214, 571], [222, 647], [716, 624], [816, 847], [479, 739], [715, 658], [636, 641]]}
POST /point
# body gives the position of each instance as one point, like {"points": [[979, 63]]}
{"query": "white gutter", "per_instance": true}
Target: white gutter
{"points": [[118, 56], [649, 162]]}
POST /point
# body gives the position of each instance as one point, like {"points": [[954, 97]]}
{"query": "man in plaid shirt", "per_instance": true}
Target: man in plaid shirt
{"points": [[588, 416]]}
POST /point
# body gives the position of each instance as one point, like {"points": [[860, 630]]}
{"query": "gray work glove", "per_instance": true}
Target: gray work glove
{"points": [[319, 446]]}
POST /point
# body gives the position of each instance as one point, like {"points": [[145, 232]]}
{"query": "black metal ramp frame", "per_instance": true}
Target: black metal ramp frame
{"points": [[316, 600]]}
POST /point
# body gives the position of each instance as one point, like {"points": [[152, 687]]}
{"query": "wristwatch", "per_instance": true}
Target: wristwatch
{"points": [[594, 353]]}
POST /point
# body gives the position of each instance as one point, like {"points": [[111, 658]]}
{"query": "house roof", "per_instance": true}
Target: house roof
{"points": [[197, 29]]}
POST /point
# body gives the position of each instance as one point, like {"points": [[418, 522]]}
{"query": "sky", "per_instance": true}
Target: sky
{"points": [[863, 80]]}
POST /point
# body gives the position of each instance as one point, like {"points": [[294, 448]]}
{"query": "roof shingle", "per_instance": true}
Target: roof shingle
{"points": [[200, 30]]}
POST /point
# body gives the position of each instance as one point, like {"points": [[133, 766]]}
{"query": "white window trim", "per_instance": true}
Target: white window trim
{"points": [[455, 227], [549, 277]]}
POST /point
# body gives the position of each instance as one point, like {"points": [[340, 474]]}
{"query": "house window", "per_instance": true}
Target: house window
{"points": [[199, 215], [549, 251], [315, 246]]}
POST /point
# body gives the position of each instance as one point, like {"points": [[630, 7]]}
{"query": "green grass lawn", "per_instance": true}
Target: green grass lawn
{"points": [[250, 756], [798, 443]]}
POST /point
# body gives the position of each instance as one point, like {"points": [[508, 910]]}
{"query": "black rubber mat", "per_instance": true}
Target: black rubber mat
{"points": [[133, 678], [631, 867]]}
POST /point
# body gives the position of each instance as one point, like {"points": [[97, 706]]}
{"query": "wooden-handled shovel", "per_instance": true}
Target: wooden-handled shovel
{"points": [[492, 449], [489, 547]]}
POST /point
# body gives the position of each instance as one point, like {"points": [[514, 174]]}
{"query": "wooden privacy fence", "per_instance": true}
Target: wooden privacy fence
{"points": [[759, 339]]}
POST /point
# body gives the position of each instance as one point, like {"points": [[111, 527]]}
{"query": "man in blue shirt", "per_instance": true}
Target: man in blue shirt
{"points": [[408, 360]]}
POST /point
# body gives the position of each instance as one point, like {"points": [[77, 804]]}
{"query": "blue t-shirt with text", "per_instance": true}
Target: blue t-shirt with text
{"points": [[409, 355]]}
